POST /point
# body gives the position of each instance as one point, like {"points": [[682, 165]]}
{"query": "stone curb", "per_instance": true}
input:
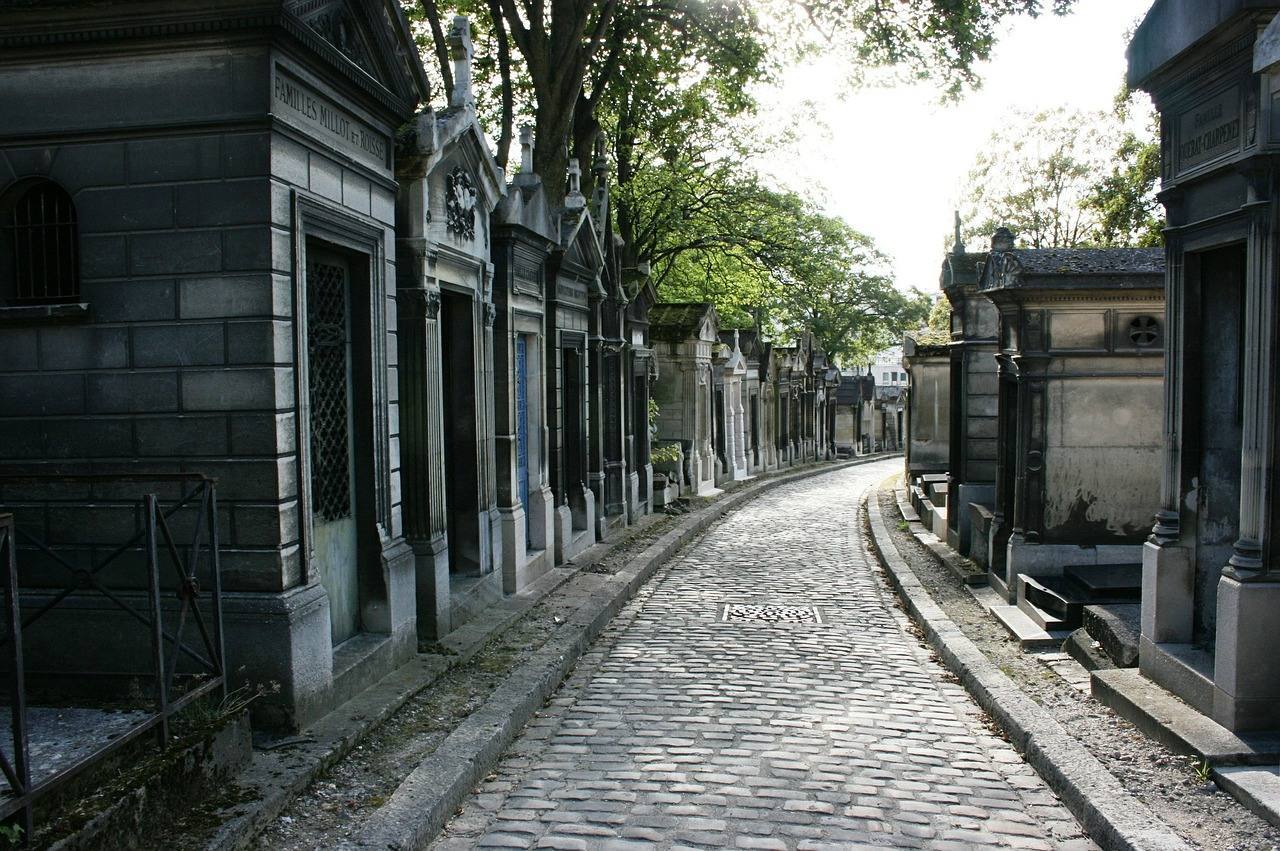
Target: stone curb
{"points": [[1110, 815], [418, 809]]}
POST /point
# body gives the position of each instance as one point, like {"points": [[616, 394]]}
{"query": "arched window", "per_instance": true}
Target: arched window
{"points": [[39, 246]]}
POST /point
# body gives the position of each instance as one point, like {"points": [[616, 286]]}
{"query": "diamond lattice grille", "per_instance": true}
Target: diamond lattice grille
{"points": [[328, 355], [769, 613]]}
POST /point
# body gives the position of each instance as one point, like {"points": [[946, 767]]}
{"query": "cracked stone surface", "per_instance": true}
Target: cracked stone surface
{"points": [[680, 730]]}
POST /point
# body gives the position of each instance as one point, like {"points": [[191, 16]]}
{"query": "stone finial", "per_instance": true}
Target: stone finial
{"points": [[461, 51], [526, 149], [958, 246], [600, 168], [1002, 240], [574, 199]]}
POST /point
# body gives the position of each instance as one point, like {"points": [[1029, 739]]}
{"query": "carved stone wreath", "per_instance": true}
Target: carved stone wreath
{"points": [[460, 204], [1144, 330]]}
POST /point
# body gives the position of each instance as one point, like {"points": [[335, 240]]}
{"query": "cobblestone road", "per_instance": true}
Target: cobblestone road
{"points": [[680, 730]]}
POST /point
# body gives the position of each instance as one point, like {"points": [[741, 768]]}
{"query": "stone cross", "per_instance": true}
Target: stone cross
{"points": [[526, 149], [461, 51], [574, 200]]}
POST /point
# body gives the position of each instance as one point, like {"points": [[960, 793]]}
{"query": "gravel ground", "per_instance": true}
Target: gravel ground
{"points": [[1202, 814], [333, 806]]}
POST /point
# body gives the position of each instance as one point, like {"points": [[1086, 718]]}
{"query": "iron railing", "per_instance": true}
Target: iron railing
{"points": [[205, 672]]}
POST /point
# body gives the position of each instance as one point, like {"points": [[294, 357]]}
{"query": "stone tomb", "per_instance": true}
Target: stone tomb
{"points": [[928, 426], [731, 423], [450, 184], [684, 337], [524, 234], [639, 370], [1080, 370], [972, 443], [1211, 575], [574, 290], [227, 307]]}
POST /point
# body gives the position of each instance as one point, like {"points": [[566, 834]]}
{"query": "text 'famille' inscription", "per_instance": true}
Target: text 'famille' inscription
{"points": [[314, 112], [1210, 130]]}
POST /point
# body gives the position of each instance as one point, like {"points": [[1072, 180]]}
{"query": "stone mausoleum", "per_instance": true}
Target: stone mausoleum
{"points": [[1211, 579], [1080, 370], [219, 298]]}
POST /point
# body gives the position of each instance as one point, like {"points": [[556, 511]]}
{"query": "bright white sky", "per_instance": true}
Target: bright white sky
{"points": [[892, 162]]}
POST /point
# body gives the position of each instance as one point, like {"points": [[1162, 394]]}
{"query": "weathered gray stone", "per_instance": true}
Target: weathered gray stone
{"points": [[186, 344], [126, 392], [238, 389], [176, 252]]}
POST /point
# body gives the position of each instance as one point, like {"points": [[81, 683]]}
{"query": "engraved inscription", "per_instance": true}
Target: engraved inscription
{"points": [[314, 112], [1210, 130]]}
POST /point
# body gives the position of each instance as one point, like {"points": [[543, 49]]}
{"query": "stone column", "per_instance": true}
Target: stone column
{"points": [[422, 453], [1247, 664], [486, 417], [1168, 563]]}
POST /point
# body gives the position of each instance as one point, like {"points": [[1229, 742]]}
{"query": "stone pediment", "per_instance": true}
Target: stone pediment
{"points": [[578, 237], [373, 35]]}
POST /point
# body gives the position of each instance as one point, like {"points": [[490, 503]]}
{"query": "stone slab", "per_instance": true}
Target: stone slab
{"points": [[1116, 627], [1176, 725], [1108, 579], [1256, 788], [1026, 631], [1084, 649], [1112, 816]]}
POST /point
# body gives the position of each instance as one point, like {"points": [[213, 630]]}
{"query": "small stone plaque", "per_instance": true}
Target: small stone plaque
{"points": [[769, 613]]}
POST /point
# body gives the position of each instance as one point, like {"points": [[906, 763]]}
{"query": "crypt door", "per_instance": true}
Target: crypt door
{"points": [[332, 462], [522, 426]]}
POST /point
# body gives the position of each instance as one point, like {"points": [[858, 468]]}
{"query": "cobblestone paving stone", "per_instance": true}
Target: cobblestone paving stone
{"points": [[679, 730]]}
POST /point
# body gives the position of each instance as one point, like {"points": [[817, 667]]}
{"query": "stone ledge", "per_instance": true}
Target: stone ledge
{"points": [[1108, 813], [279, 774], [1177, 725], [965, 570], [1256, 788]]}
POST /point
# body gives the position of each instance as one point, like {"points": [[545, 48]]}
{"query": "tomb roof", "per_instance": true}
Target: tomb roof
{"points": [[1074, 268], [679, 320], [1172, 28]]}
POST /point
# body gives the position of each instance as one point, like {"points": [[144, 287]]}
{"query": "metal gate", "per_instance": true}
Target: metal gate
{"points": [[329, 379]]}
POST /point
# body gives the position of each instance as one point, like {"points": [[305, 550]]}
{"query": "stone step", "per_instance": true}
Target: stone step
{"points": [[1057, 606], [1028, 633], [1116, 626]]}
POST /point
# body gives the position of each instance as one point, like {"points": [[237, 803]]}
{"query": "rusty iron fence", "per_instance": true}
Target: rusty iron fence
{"points": [[196, 585]]}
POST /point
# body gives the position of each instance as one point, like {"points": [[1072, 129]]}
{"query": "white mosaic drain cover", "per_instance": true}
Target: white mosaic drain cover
{"points": [[768, 613]]}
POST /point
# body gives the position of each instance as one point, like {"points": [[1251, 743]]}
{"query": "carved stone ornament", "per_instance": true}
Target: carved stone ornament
{"points": [[460, 204], [333, 21], [490, 313], [1144, 331], [433, 304]]}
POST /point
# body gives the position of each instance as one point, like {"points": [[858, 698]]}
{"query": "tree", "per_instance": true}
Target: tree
{"points": [[1039, 176], [1035, 178], [570, 52], [1124, 199]]}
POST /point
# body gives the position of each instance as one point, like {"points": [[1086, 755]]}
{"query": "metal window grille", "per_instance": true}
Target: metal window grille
{"points": [[41, 231], [327, 381]]}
